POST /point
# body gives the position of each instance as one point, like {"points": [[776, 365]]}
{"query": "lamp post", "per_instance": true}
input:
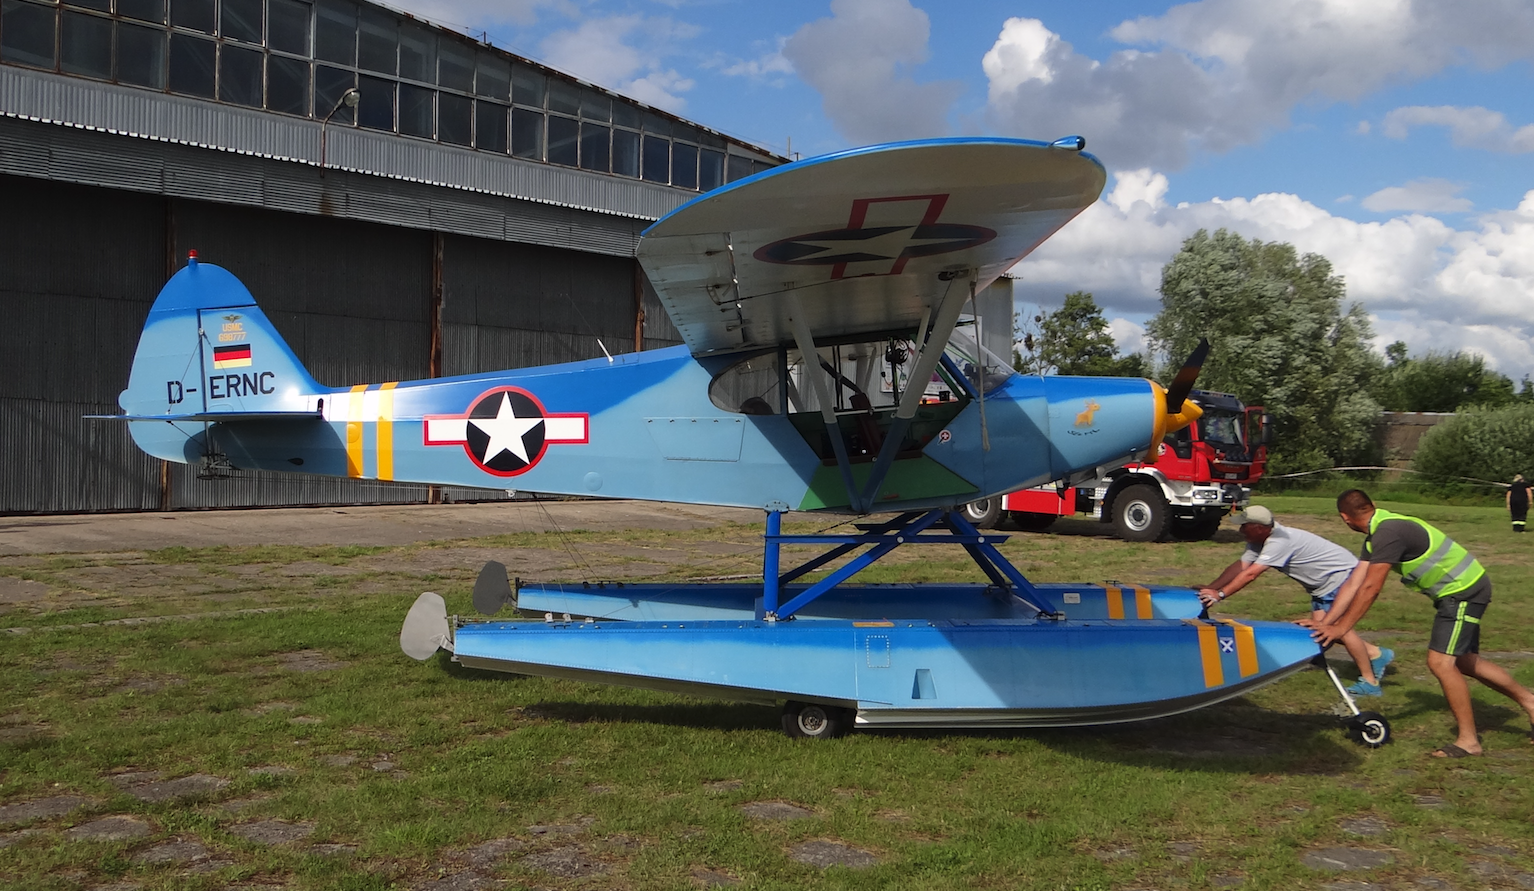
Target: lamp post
{"points": [[350, 98]]}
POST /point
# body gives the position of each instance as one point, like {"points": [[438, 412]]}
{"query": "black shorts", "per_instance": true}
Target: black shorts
{"points": [[1457, 627]]}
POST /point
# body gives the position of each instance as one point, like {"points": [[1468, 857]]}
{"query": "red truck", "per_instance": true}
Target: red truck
{"points": [[1204, 472]]}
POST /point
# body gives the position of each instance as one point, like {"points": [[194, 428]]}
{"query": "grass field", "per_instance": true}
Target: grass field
{"points": [[265, 732]]}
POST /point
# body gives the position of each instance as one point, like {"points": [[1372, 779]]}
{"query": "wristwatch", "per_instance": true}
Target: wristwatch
{"points": [[1220, 594]]}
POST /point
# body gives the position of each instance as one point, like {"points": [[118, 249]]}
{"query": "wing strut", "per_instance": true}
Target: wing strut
{"points": [[929, 354], [820, 378]]}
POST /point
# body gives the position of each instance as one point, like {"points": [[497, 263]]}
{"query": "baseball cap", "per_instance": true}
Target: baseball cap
{"points": [[1255, 513]]}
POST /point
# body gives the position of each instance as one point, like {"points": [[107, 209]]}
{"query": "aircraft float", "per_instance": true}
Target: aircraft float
{"points": [[827, 366]]}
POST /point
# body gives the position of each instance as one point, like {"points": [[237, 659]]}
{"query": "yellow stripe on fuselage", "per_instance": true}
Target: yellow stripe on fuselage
{"points": [[354, 432], [1143, 603], [1115, 601], [1246, 646], [385, 436], [1209, 653]]}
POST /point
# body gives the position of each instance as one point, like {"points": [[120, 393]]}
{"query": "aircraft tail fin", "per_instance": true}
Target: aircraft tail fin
{"points": [[208, 353]]}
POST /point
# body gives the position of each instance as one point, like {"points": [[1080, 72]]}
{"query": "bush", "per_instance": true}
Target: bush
{"points": [[1481, 444]]}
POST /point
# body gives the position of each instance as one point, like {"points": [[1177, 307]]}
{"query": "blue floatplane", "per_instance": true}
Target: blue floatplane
{"points": [[827, 366]]}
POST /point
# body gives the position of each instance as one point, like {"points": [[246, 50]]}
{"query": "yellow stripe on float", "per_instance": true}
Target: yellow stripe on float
{"points": [[1209, 653], [386, 430], [1115, 602], [1246, 646], [354, 432], [1143, 603]]}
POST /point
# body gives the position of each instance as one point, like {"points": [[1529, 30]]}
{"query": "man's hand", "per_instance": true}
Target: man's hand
{"points": [[1208, 596], [1325, 634]]}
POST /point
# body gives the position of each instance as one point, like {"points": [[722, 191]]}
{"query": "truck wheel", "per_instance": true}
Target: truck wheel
{"points": [[1140, 513], [1196, 528], [1028, 521], [982, 514]]}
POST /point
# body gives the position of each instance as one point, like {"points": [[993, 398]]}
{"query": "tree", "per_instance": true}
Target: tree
{"points": [[1440, 382], [1280, 336], [1074, 339], [1480, 443]]}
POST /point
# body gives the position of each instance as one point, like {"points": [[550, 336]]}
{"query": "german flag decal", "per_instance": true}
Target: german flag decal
{"points": [[236, 356]]}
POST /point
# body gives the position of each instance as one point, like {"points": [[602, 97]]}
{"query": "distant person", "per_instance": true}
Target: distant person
{"points": [[1518, 501], [1321, 567], [1433, 564]]}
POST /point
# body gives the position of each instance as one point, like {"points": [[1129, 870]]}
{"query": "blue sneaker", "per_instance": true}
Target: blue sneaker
{"points": [[1364, 688], [1378, 664]]}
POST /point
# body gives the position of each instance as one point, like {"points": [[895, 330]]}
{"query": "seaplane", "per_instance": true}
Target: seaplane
{"points": [[830, 364]]}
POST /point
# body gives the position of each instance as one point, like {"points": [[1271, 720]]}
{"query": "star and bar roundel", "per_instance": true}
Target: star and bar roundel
{"points": [[506, 430], [880, 236]]}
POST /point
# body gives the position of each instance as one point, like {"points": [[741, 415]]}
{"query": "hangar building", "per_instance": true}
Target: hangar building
{"points": [[403, 201]]}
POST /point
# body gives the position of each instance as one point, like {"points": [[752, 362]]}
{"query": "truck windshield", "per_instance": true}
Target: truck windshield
{"points": [[1222, 428]]}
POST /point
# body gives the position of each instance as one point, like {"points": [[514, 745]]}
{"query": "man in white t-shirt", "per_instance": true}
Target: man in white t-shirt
{"points": [[1320, 566]]}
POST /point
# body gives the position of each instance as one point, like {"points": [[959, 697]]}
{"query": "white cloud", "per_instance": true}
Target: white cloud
{"points": [[623, 53], [859, 59], [768, 65], [1473, 127], [1430, 284], [1213, 74], [1425, 195], [1128, 336]]}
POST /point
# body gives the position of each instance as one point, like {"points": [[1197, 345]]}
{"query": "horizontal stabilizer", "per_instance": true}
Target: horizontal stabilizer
{"points": [[213, 417]]}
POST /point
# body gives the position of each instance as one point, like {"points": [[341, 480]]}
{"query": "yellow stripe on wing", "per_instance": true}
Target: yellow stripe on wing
{"points": [[1246, 646], [1143, 603], [386, 430], [1115, 601], [1209, 653]]}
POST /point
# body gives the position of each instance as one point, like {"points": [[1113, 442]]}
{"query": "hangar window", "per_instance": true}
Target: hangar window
{"points": [[26, 33], [240, 20], [86, 47], [492, 77], [596, 106], [455, 67], [287, 26], [564, 136], [192, 65], [527, 86], [595, 142], [455, 119], [656, 164], [335, 33], [194, 15], [625, 115], [375, 107], [330, 84], [710, 170], [98, 5], [140, 56], [143, 10], [417, 53], [626, 153], [239, 75], [564, 98], [684, 165], [527, 134], [378, 43], [490, 126], [416, 111], [737, 167], [287, 85]]}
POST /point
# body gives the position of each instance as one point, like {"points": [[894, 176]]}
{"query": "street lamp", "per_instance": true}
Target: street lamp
{"points": [[350, 98]]}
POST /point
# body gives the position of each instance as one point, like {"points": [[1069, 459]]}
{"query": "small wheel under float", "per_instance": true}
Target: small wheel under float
{"points": [[808, 720], [1369, 729]]}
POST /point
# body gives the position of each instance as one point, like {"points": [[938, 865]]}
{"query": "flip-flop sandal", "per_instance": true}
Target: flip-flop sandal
{"points": [[1452, 751]]}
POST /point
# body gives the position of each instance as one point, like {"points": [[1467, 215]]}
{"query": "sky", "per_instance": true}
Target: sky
{"points": [[1393, 137]]}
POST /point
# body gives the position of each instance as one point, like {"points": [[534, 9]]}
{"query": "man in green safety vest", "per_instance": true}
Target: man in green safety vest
{"points": [[1432, 564]]}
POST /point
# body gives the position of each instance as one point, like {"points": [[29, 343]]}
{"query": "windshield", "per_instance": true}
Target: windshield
{"points": [[1222, 428], [976, 362]]}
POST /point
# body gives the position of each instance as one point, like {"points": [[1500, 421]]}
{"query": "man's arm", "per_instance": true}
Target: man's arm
{"points": [[1235, 577], [1343, 616]]}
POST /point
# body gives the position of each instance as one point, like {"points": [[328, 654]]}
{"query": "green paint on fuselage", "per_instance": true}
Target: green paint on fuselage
{"points": [[909, 480]]}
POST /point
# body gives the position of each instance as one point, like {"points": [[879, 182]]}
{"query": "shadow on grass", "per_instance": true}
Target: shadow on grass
{"points": [[693, 715]]}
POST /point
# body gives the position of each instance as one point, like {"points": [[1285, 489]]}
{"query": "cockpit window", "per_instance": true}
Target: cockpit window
{"points": [[751, 386], [985, 370]]}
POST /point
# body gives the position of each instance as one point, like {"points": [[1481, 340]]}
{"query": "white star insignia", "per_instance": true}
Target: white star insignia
{"points": [[506, 431]]}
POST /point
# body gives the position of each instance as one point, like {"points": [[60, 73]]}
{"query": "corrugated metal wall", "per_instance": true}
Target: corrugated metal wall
{"points": [[80, 266]]}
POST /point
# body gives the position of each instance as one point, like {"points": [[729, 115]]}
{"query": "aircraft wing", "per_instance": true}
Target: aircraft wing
{"points": [[863, 241]]}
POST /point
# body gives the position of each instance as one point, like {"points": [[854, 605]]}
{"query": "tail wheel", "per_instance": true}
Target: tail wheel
{"points": [[1140, 513], [808, 720], [1369, 729], [982, 514]]}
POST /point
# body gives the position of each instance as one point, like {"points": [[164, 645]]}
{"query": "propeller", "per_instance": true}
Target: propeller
{"points": [[1176, 411], [1182, 384]]}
